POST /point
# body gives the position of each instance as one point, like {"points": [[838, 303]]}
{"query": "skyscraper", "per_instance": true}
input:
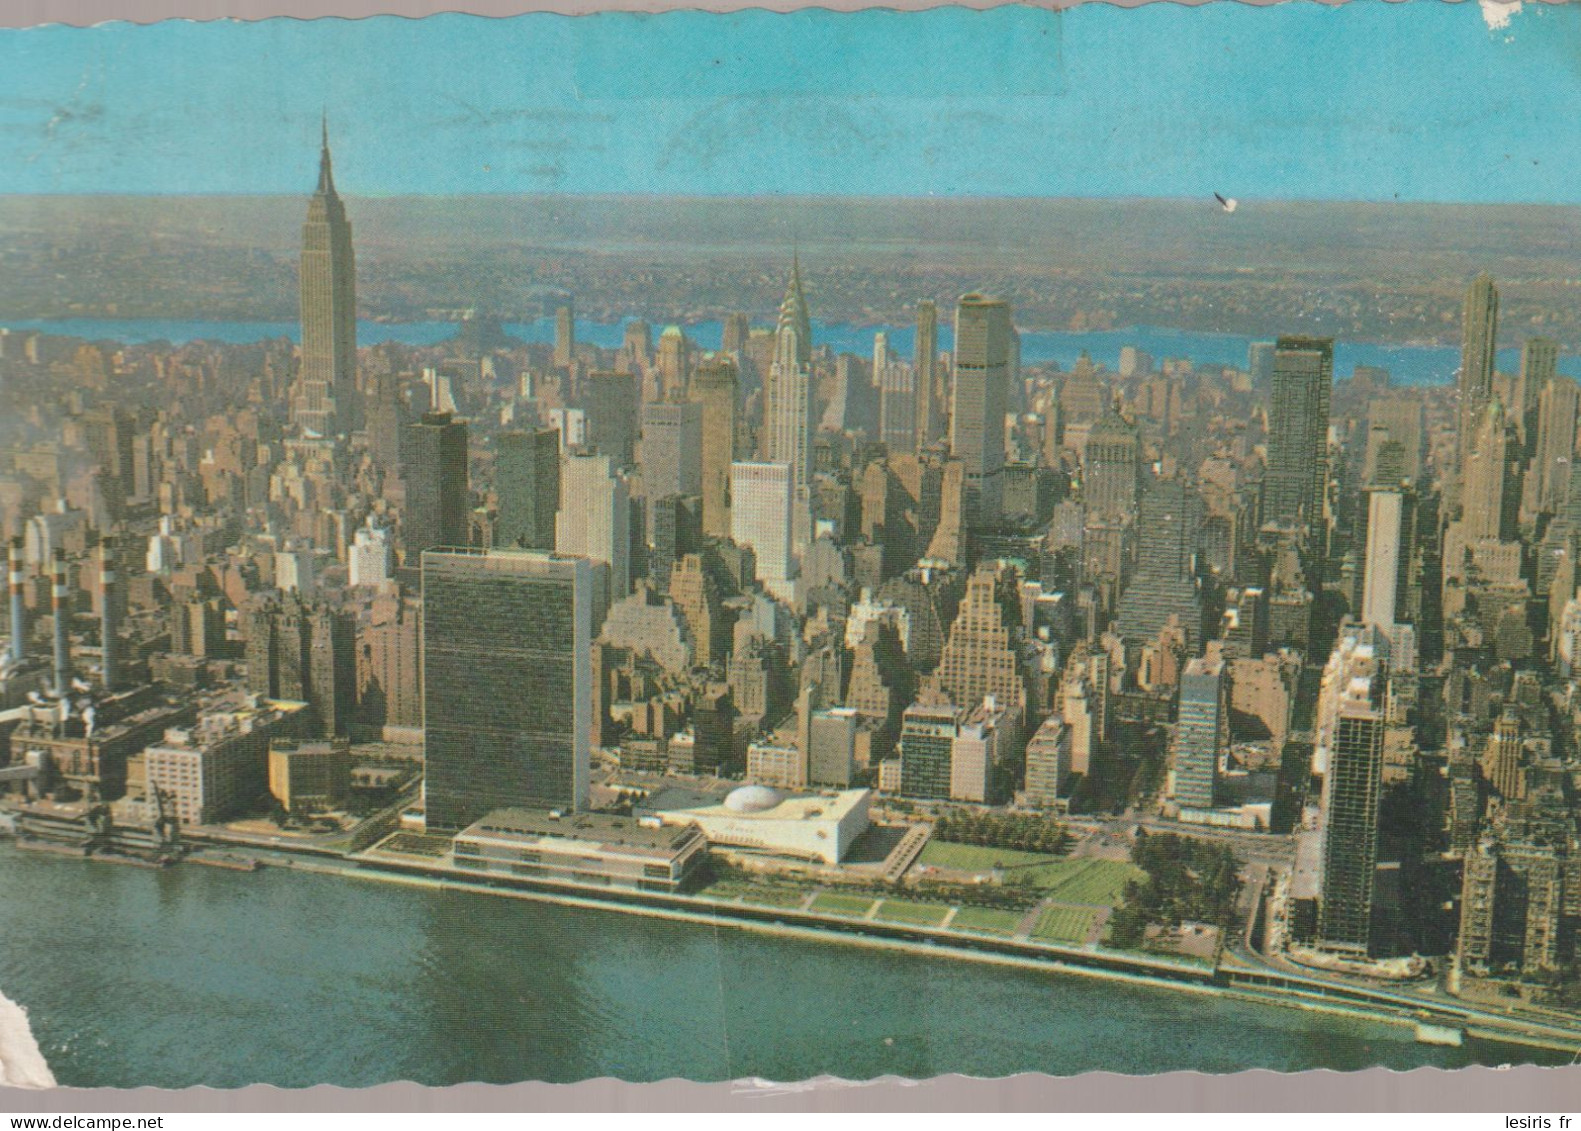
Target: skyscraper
{"points": [[434, 456], [1164, 583], [672, 450], [980, 659], [788, 415], [1199, 733], [897, 406], [1296, 482], [1352, 784], [612, 402], [1539, 366], [931, 408], [595, 519], [1557, 404], [1395, 419], [1109, 466], [1490, 492], [1479, 330], [927, 744], [761, 498], [714, 387], [507, 682], [977, 424], [565, 333], [527, 488], [737, 329], [326, 384], [1381, 579]]}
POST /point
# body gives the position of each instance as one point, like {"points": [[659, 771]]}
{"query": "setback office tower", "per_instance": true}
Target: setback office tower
{"points": [[326, 387], [507, 682]]}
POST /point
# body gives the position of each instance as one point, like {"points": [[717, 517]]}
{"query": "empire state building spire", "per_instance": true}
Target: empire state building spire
{"points": [[323, 401], [326, 181]]}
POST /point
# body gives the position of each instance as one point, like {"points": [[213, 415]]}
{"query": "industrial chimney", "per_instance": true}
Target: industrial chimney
{"points": [[58, 603], [109, 623], [18, 608]]}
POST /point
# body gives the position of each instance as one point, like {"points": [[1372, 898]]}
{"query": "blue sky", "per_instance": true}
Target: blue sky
{"points": [[1415, 101]]}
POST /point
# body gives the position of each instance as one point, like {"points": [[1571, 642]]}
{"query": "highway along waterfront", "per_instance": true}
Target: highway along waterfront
{"points": [[184, 976]]}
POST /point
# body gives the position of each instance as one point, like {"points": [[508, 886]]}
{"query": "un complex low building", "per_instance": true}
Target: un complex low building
{"points": [[819, 827], [591, 849]]}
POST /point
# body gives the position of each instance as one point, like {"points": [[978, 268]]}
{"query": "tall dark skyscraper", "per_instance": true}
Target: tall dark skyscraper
{"points": [[1352, 790], [1479, 332], [565, 333], [323, 402], [527, 486], [612, 402], [714, 387], [507, 682], [1297, 477], [434, 459], [982, 395], [931, 406]]}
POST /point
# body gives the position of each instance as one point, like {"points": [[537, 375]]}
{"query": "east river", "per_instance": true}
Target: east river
{"points": [[193, 975]]}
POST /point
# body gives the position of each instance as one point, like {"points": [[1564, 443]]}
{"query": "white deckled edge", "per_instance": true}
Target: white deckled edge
{"points": [[22, 1065]]}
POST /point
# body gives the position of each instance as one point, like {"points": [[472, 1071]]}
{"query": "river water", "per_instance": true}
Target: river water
{"points": [[201, 976], [1408, 365]]}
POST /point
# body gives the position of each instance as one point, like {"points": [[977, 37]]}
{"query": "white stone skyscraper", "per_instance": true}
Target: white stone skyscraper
{"points": [[594, 520], [760, 517]]}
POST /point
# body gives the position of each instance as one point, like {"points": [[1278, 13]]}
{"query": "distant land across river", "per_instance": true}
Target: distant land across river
{"points": [[1407, 364]]}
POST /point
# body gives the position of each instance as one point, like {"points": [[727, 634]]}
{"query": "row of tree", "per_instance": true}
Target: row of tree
{"points": [[1022, 832]]}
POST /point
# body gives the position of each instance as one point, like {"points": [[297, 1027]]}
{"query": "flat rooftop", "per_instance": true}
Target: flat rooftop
{"points": [[607, 830]]}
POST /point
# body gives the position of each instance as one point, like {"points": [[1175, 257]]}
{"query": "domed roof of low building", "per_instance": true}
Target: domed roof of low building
{"points": [[752, 799]]}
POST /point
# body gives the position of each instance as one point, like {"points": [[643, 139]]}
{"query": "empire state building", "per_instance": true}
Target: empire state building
{"points": [[323, 401]]}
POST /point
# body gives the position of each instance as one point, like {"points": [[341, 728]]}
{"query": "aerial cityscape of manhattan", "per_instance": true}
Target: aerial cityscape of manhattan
{"points": [[778, 546]]}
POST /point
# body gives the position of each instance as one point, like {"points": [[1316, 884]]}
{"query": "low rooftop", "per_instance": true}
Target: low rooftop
{"points": [[604, 829]]}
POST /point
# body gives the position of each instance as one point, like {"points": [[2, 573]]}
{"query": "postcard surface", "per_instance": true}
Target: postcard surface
{"points": [[789, 545]]}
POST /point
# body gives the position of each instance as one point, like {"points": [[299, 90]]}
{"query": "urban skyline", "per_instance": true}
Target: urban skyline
{"points": [[1253, 678]]}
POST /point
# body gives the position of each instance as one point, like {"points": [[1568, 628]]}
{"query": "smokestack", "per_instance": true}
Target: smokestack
{"points": [[18, 609], [109, 625], [58, 596]]}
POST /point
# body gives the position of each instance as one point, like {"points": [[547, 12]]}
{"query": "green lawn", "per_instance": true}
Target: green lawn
{"points": [[776, 897], [1065, 924], [972, 858], [904, 911], [988, 919], [761, 894], [835, 904], [1100, 882], [1068, 880]]}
